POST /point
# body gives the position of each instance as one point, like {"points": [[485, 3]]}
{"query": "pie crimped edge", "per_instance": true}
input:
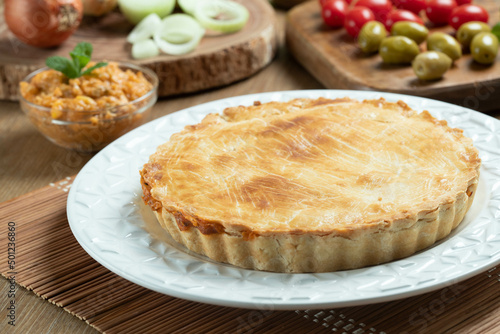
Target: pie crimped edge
{"points": [[296, 250]]}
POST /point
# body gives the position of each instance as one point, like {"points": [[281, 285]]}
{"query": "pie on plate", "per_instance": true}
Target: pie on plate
{"points": [[312, 185]]}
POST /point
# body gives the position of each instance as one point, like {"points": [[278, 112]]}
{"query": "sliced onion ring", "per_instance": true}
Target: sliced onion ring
{"points": [[188, 6], [178, 34], [144, 29], [145, 49], [221, 15]]}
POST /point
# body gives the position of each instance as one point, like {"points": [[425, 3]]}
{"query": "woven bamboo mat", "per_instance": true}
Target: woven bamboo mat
{"points": [[51, 263]]}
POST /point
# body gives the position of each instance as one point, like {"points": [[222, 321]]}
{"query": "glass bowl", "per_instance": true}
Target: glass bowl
{"points": [[90, 131]]}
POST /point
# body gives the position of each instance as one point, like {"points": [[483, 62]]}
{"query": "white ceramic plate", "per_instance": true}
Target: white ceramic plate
{"points": [[107, 218]]}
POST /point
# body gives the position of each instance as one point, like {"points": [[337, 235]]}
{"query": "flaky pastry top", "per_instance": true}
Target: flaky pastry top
{"points": [[311, 166]]}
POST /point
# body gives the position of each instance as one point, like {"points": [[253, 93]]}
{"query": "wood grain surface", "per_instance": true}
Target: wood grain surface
{"points": [[334, 58], [218, 60], [54, 266], [28, 162]]}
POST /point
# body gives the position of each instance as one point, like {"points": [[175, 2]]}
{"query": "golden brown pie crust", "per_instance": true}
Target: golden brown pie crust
{"points": [[312, 185]]}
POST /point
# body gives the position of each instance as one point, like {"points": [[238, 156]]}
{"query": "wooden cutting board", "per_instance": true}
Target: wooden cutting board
{"points": [[218, 60], [333, 57]]}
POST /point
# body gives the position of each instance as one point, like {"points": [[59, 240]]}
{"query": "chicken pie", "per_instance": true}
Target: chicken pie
{"points": [[312, 185]]}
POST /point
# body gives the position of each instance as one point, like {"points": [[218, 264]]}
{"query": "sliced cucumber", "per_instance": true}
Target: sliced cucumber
{"points": [[221, 15], [178, 34], [145, 49], [145, 29]]}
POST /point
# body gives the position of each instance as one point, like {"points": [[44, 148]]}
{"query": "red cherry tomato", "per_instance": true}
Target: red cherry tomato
{"points": [[401, 15], [439, 11], [323, 2], [415, 6], [355, 18], [467, 13], [463, 2], [333, 12], [380, 8]]}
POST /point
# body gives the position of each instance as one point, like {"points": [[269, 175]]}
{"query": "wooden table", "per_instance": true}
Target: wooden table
{"points": [[28, 162]]}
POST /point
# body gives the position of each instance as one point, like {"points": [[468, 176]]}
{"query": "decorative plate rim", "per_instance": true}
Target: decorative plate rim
{"points": [[110, 225]]}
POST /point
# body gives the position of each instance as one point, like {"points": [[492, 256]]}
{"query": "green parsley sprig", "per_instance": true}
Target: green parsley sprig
{"points": [[72, 68]]}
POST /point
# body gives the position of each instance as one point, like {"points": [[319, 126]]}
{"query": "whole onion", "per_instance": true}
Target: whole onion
{"points": [[43, 23], [98, 7]]}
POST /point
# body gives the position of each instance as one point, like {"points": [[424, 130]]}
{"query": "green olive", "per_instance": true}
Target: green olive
{"points": [[398, 50], [468, 30], [413, 30], [371, 35], [444, 43], [484, 47], [431, 65]]}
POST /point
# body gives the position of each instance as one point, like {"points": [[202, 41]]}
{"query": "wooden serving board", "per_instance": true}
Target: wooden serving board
{"points": [[218, 60], [333, 57]]}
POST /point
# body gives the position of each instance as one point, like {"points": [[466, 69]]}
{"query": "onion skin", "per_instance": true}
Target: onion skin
{"points": [[98, 7], [43, 23]]}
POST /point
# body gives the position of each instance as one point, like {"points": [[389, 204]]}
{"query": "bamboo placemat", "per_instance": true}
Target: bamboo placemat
{"points": [[51, 263]]}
